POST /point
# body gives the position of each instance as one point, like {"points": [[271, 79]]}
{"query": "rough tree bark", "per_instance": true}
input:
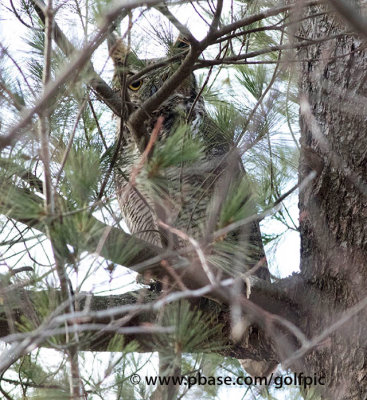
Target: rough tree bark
{"points": [[333, 213]]}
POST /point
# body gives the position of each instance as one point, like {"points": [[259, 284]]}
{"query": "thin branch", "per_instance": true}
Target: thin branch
{"points": [[156, 65], [18, 68], [162, 8], [266, 50], [260, 16], [269, 211], [21, 20], [100, 133], [308, 345], [248, 31], [196, 246], [216, 19], [71, 139]]}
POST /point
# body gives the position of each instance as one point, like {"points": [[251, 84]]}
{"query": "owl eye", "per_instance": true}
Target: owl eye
{"points": [[136, 85]]}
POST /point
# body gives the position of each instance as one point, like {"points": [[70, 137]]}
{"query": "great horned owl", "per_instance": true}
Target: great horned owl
{"points": [[188, 195]]}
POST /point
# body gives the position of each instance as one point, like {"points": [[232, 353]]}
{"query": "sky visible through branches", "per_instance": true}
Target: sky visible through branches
{"points": [[283, 259]]}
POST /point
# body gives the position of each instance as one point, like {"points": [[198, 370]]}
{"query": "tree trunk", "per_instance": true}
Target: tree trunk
{"points": [[333, 213]]}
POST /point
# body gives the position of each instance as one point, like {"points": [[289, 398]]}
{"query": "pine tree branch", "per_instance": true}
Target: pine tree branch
{"points": [[75, 66], [101, 88], [123, 249], [134, 315], [116, 239], [117, 244], [270, 12], [107, 241], [241, 57], [280, 309]]}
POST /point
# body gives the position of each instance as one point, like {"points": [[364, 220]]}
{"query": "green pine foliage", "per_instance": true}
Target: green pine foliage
{"points": [[42, 383], [82, 174], [175, 152], [193, 331], [238, 203], [178, 148], [88, 145]]}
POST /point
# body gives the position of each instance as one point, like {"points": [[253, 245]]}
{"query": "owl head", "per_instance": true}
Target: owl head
{"points": [[144, 86]]}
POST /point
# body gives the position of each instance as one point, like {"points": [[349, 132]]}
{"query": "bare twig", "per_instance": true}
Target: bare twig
{"points": [[71, 139], [19, 69], [235, 59], [153, 137], [308, 345], [270, 210], [216, 18], [100, 133], [260, 16], [180, 27], [20, 18], [197, 248]]}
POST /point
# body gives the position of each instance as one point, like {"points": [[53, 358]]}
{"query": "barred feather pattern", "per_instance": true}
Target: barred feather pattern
{"points": [[136, 205]]}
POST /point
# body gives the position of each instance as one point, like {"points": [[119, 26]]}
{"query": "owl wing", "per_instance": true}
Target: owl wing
{"points": [[204, 191], [136, 204]]}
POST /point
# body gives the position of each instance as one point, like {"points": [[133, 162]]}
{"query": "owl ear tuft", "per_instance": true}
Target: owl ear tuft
{"points": [[117, 48], [181, 42]]}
